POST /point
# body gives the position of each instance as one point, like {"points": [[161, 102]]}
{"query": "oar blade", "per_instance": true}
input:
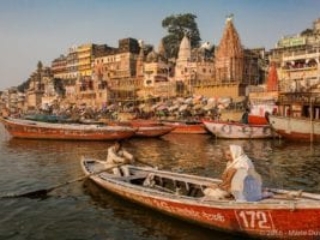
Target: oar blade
{"points": [[41, 193]]}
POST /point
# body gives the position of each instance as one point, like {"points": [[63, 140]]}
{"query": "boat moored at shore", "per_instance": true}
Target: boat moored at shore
{"points": [[237, 130], [19, 128]]}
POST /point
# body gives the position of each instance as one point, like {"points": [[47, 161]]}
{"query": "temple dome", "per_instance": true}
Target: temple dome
{"points": [[185, 49]]}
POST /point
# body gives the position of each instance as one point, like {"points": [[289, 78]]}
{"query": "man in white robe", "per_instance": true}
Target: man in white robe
{"points": [[118, 156], [239, 179]]}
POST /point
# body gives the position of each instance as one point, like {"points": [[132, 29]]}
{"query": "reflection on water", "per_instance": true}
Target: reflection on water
{"points": [[79, 211], [149, 226]]}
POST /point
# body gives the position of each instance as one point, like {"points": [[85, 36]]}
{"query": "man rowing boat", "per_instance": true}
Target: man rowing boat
{"points": [[117, 155]]}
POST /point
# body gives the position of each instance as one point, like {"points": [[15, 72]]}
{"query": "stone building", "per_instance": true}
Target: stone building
{"points": [[59, 67], [297, 58], [157, 75], [115, 69], [193, 67], [36, 87]]}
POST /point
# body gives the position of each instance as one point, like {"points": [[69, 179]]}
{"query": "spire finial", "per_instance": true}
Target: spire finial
{"points": [[229, 17]]}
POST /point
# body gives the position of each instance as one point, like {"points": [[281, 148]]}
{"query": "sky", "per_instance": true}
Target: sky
{"points": [[42, 30]]}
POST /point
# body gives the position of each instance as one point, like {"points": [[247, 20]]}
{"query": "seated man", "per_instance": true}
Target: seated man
{"points": [[118, 156], [239, 179]]}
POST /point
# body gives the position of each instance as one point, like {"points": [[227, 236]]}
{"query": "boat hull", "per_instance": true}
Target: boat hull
{"points": [[297, 129], [153, 131], [277, 219], [236, 130], [187, 128], [40, 130]]}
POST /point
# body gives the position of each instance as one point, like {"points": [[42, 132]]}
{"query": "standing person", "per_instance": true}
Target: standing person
{"points": [[118, 155], [239, 178], [245, 116]]}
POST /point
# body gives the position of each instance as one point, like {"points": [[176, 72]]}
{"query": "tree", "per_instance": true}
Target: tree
{"points": [[178, 26]]}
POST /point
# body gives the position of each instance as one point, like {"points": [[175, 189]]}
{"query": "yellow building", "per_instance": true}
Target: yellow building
{"points": [[85, 58]]}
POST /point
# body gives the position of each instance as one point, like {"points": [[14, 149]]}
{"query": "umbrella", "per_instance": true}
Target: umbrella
{"points": [[183, 107], [174, 107]]}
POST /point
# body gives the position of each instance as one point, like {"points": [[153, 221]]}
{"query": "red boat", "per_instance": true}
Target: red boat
{"points": [[257, 120], [20, 128], [146, 128], [287, 215], [144, 123], [195, 127], [153, 131]]}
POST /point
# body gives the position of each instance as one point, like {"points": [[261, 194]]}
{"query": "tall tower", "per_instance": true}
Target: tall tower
{"points": [[184, 58], [140, 61], [229, 56], [272, 81]]}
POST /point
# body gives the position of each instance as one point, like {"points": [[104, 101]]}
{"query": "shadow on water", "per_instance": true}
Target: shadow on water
{"points": [[149, 223]]}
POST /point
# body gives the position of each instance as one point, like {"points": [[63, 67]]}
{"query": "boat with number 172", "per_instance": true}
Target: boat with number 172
{"points": [[287, 214]]}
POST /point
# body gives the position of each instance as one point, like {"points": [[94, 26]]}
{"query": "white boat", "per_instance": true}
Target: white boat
{"points": [[237, 130], [298, 117], [294, 128]]}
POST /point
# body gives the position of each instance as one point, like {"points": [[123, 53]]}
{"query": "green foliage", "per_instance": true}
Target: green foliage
{"points": [[177, 26]]}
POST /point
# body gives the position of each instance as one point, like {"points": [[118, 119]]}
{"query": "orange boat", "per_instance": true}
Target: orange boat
{"points": [[195, 127], [153, 131], [20, 128]]}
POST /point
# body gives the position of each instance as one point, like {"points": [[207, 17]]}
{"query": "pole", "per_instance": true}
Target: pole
{"points": [[311, 121]]}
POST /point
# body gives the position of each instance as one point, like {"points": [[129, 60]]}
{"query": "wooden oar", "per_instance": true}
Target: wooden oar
{"points": [[41, 193]]}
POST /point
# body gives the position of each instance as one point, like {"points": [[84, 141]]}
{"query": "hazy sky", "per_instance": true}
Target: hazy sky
{"points": [[33, 30]]}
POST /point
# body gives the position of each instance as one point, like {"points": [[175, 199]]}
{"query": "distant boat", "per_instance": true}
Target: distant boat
{"points": [[187, 127], [299, 129], [144, 128], [46, 118], [262, 104], [237, 130], [299, 117], [153, 131], [20, 128], [291, 215]]}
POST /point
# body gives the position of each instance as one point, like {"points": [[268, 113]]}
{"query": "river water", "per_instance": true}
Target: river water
{"points": [[82, 210]]}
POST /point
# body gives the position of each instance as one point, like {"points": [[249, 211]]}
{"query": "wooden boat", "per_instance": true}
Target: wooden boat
{"points": [[298, 117], [237, 130], [153, 131], [145, 128], [45, 118], [298, 129], [20, 128], [181, 195], [144, 123], [194, 127]]}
